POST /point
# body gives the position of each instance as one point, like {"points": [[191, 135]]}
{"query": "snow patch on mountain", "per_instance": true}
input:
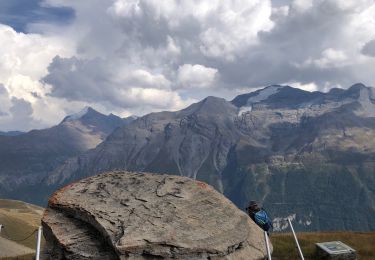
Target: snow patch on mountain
{"points": [[262, 95], [280, 223], [78, 115], [244, 109]]}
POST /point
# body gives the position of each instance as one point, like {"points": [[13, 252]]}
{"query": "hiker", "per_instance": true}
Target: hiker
{"points": [[259, 216]]}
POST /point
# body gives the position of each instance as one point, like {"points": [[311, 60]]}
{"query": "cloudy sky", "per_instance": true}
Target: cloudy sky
{"points": [[137, 56]]}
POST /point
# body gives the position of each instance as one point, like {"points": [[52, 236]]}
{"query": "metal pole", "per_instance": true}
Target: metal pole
{"points": [[267, 245], [1, 226], [38, 243], [295, 238]]}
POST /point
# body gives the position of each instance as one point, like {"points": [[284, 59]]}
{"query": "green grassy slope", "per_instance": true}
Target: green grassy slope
{"points": [[9, 249], [284, 246], [20, 219]]}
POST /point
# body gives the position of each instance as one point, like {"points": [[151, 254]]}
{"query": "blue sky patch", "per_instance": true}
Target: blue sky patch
{"points": [[19, 13]]}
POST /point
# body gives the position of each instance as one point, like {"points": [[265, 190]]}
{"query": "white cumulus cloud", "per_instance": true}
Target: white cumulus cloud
{"points": [[196, 76], [138, 56], [24, 59]]}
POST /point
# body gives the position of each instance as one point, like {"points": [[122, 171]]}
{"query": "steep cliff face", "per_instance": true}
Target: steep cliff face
{"points": [[123, 215], [306, 155], [26, 159]]}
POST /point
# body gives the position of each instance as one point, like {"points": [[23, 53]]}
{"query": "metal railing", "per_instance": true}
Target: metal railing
{"points": [[296, 240], [266, 239]]}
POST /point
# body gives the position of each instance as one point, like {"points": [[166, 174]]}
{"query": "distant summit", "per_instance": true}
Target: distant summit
{"points": [[95, 121], [286, 97], [256, 96], [86, 111], [278, 96], [27, 158]]}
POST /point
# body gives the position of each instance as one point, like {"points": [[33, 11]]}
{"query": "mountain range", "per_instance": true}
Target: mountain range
{"points": [[27, 158], [308, 156]]}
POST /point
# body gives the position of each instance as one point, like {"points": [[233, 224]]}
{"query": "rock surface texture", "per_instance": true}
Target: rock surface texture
{"points": [[123, 215]]}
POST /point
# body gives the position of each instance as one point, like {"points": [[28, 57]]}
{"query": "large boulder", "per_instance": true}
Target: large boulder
{"points": [[123, 215]]}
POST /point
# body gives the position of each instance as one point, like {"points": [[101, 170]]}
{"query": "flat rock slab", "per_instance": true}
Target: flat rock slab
{"points": [[124, 215]]}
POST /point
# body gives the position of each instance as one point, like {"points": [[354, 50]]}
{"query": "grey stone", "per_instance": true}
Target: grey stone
{"points": [[123, 215]]}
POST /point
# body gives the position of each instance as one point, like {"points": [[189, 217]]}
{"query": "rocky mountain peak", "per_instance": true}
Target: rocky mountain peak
{"points": [[286, 97], [358, 86], [210, 105], [256, 96], [361, 98], [85, 112], [352, 92], [276, 97], [95, 121]]}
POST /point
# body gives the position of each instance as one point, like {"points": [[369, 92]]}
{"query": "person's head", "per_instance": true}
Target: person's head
{"points": [[252, 207]]}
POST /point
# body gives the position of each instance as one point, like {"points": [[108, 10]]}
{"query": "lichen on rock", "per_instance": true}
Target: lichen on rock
{"points": [[124, 215]]}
